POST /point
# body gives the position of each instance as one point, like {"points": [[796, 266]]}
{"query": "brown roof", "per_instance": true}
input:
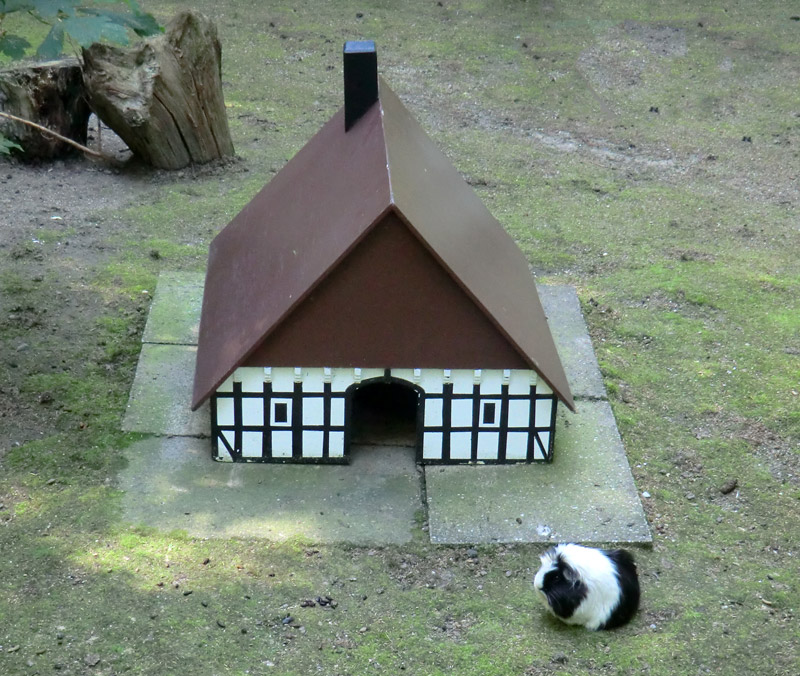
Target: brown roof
{"points": [[288, 244], [409, 313]]}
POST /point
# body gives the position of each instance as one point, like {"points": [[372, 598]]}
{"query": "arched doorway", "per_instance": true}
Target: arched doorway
{"points": [[383, 412]]}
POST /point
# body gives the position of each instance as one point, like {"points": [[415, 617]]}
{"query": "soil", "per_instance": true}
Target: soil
{"points": [[59, 225], [63, 196]]}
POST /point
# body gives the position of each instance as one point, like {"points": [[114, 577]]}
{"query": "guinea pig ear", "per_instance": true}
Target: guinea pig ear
{"points": [[570, 574]]}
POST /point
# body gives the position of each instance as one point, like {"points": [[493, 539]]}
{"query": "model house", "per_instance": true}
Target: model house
{"points": [[369, 260]]}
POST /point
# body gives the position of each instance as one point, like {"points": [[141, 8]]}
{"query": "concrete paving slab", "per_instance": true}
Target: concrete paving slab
{"points": [[171, 483], [586, 494], [175, 311], [161, 394], [571, 336]]}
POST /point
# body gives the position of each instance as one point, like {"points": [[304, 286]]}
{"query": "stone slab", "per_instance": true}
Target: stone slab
{"points": [[160, 400], [587, 494], [175, 311], [564, 315], [171, 483]]}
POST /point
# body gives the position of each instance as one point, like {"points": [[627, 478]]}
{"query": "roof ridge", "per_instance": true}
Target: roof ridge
{"points": [[381, 85]]}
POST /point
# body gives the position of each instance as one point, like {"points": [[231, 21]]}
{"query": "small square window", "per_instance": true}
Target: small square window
{"points": [[281, 412], [489, 413]]}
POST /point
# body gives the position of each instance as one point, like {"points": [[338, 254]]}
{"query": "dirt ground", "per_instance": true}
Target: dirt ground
{"points": [[59, 225], [61, 197]]}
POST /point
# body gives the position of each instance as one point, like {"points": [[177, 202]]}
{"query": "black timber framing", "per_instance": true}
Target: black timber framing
{"points": [[298, 396]]}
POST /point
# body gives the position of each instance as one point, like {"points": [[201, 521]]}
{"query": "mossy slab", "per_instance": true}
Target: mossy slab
{"points": [[171, 483], [586, 494], [175, 311], [161, 393], [564, 316]]}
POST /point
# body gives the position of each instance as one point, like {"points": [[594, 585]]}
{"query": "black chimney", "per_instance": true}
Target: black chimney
{"points": [[360, 79]]}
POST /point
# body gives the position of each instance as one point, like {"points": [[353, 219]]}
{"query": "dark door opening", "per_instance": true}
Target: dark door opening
{"points": [[384, 414]]}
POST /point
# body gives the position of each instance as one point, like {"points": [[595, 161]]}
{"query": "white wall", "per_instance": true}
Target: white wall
{"points": [[502, 397]]}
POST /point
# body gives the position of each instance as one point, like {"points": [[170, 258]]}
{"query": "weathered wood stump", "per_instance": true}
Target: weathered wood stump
{"points": [[164, 96], [50, 94]]}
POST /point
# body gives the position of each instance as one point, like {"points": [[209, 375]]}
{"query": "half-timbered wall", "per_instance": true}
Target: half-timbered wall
{"points": [[487, 416], [302, 414]]}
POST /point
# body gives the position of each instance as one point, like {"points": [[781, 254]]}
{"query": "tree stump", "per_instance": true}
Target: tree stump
{"points": [[164, 96], [50, 94]]}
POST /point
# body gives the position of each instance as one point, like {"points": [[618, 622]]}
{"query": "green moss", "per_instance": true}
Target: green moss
{"points": [[128, 278], [13, 283]]}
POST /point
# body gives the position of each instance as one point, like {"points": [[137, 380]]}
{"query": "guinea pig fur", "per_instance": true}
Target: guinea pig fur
{"points": [[591, 587]]}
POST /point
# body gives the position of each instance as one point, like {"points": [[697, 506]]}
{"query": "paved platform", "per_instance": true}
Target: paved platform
{"points": [[173, 484], [586, 494]]}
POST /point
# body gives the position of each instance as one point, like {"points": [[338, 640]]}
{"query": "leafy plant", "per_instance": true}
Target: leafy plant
{"points": [[6, 146], [74, 22], [72, 19]]}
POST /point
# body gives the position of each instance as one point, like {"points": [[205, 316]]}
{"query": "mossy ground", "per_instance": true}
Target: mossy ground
{"points": [[646, 154]]}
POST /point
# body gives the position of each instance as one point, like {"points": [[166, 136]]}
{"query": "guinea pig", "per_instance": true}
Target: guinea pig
{"points": [[592, 587]]}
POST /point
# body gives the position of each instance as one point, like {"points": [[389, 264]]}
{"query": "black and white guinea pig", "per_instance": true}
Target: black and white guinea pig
{"points": [[592, 587]]}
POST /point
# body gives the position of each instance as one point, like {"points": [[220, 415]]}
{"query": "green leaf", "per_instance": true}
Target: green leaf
{"points": [[85, 25], [53, 9], [141, 24], [88, 29], [52, 45], [148, 21], [13, 46], [6, 146]]}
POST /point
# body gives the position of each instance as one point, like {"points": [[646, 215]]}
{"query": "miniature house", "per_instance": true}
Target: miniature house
{"points": [[368, 259]]}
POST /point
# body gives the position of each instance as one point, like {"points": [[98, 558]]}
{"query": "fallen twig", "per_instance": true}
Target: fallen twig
{"points": [[75, 144]]}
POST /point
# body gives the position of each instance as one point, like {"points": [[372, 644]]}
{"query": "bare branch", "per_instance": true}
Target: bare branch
{"points": [[55, 134]]}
